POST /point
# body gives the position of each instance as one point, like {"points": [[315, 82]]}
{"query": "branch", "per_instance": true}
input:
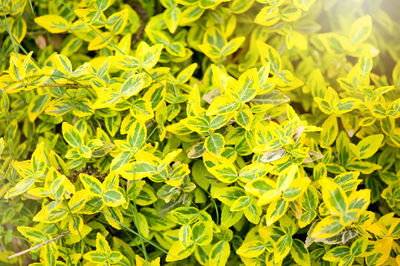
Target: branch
{"points": [[65, 85], [38, 246], [143, 17]]}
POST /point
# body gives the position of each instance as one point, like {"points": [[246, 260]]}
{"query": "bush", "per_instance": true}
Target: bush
{"points": [[204, 132]]}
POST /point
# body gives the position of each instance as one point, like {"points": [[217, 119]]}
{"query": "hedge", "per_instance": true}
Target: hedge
{"points": [[200, 132]]}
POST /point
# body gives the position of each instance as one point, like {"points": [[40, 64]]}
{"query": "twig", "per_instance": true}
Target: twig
{"points": [[38, 246], [143, 17], [65, 85], [36, 32]]}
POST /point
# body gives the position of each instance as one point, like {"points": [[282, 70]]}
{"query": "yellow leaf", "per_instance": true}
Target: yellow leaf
{"points": [[53, 23]]}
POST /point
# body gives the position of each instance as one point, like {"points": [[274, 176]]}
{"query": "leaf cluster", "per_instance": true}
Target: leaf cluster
{"points": [[212, 132]]}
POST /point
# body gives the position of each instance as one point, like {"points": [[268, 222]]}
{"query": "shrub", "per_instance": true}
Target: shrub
{"points": [[204, 132]]}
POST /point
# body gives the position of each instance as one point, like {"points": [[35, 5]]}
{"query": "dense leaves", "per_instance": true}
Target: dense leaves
{"points": [[210, 132]]}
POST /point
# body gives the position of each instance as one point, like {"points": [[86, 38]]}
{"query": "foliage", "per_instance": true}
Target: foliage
{"points": [[204, 132]]}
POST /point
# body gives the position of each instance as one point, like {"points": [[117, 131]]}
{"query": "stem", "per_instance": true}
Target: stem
{"points": [[65, 85], [38, 246], [36, 32], [143, 18]]}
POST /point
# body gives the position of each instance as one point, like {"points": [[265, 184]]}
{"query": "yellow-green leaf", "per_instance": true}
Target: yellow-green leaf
{"points": [[251, 249], [53, 23], [334, 196], [276, 210], [219, 253], [92, 184], [327, 227], [368, 146], [113, 198], [329, 131], [72, 135]]}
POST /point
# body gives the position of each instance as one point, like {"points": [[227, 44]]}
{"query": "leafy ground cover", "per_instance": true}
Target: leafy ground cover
{"points": [[199, 132]]}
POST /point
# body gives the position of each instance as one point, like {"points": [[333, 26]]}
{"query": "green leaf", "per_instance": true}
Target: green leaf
{"points": [[92, 184], [185, 235], [1, 145], [208, 3], [186, 73], [51, 213], [178, 251], [228, 195], [359, 247], [32, 234], [146, 196], [299, 253], [116, 23], [303, 4], [141, 110], [232, 46], [71, 135], [269, 55], [119, 161], [202, 233], [148, 57], [360, 29], [102, 5], [77, 201], [222, 105], [286, 177], [197, 124], [190, 13], [327, 227], [359, 200], [260, 186], [298, 186], [334, 196], [115, 257], [219, 253], [239, 6], [63, 64], [102, 244], [37, 106], [276, 210], [268, 16], [329, 131], [133, 85], [169, 3], [363, 167], [336, 254], [21, 187], [253, 213], [241, 203], [368, 146], [142, 225], [214, 143], [183, 215], [137, 135], [229, 218], [244, 118], [365, 64], [53, 23], [113, 124], [283, 247], [171, 17], [247, 85], [178, 174], [223, 169], [113, 198], [348, 181], [251, 249], [309, 200], [39, 160]]}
